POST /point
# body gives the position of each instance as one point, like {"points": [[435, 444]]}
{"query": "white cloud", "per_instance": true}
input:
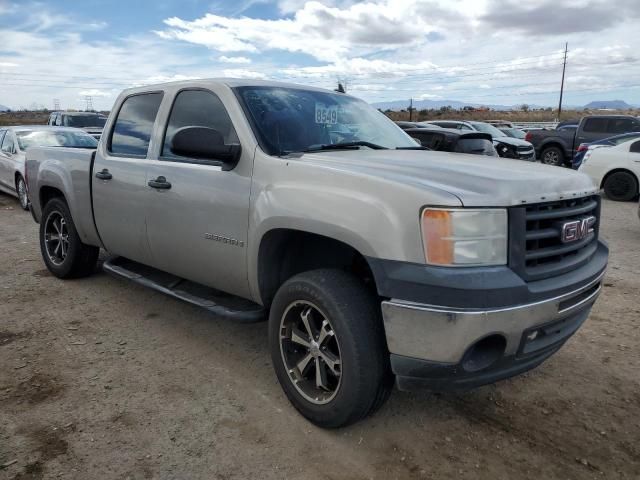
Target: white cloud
{"points": [[225, 59], [324, 32], [94, 92], [428, 96], [8, 65], [242, 73]]}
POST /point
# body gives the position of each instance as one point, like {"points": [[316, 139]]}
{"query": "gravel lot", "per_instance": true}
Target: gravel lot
{"points": [[103, 379]]}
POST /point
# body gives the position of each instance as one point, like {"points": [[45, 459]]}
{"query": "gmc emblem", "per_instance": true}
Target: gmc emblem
{"points": [[577, 229]]}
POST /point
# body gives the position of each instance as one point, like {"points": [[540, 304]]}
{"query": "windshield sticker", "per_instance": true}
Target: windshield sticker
{"points": [[326, 114]]}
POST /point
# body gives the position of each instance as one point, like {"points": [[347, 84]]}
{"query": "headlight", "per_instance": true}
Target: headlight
{"points": [[464, 237]]}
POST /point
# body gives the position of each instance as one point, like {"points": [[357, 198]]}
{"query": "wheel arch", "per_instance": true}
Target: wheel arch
{"points": [[285, 252], [555, 144]]}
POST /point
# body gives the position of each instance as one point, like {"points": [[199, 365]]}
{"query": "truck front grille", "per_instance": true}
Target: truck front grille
{"points": [[541, 252]]}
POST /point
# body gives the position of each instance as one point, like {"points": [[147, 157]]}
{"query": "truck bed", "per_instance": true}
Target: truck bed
{"points": [[65, 170]]}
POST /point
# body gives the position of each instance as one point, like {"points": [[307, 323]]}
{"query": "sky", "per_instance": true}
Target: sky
{"points": [[506, 52]]}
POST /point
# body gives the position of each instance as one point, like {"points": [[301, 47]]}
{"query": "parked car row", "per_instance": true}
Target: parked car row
{"points": [[14, 142], [507, 143]]}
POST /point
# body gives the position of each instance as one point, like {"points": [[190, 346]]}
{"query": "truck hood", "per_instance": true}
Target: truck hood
{"points": [[477, 180]]}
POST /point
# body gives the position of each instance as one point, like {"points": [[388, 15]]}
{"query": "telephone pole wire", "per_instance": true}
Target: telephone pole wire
{"points": [[564, 67]]}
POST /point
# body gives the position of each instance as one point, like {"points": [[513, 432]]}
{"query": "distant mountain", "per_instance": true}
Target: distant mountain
{"points": [[3, 108], [610, 104], [436, 104]]}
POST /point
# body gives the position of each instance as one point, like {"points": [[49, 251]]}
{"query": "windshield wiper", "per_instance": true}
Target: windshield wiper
{"points": [[417, 147], [345, 146]]}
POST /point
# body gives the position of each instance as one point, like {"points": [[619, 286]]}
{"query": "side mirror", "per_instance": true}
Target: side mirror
{"points": [[206, 144]]}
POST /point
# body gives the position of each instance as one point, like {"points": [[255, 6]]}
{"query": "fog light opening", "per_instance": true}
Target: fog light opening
{"points": [[484, 353]]}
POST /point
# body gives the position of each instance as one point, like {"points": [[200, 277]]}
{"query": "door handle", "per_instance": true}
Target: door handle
{"points": [[160, 183], [104, 175]]}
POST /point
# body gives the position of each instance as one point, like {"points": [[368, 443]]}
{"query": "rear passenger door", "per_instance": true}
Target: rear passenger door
{"points": [[120, 192], [197, 224]]}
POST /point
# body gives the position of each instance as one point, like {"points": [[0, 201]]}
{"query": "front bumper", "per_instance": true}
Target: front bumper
{"points": [[441, 348]]}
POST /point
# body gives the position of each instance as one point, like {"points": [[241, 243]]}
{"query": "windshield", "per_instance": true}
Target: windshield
{"points": [[486, 128], [80, 121], [53, 138], [287, 120]]}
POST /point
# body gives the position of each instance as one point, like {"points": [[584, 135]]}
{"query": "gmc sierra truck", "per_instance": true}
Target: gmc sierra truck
{"points": [[557, 147], [374, 259]]}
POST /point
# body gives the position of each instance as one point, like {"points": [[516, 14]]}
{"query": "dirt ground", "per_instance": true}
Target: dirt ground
{"points": [[103, 379]]}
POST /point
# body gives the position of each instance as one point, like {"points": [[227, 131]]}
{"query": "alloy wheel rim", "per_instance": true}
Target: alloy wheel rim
{"points": [[56, 238], [551, 158], [22, 193], [310, 352]]}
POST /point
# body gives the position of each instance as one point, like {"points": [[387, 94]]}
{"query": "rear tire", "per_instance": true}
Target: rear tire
{"points": [[21, 190], [62, 251], [552, 156], [621, 186], [338, 303]]}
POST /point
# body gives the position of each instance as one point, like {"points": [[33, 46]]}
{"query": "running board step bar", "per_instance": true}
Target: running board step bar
{"points": [[215, 301]]}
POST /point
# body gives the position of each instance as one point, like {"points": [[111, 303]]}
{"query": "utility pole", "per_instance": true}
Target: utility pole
{"points": [[56, 104], [564, 67], [411, 109], [89, 103]]}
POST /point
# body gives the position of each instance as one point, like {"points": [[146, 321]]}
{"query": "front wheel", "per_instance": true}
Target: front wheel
{"points": [[621, 186], [21, 190], [62, 250], [328, 348]]}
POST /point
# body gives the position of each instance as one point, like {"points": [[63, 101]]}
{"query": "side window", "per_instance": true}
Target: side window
{"points": [[58, 120], [620, 125], [595, 124], [7, 143], [635, 147], [465, 127], [2, 135], [132, 130], [198, 108]]}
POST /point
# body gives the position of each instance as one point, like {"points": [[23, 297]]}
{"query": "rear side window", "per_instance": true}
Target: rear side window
{"points": [[621, 125], [433, 141], [132, 130], [595, 125], [635, 147], [58, 120], [198, 108]]}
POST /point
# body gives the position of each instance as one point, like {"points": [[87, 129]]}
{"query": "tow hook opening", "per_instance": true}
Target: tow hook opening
{"points": [[484, 353]]}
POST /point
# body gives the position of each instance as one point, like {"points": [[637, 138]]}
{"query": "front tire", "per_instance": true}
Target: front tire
{"points": [[21, 190], [621, 186], [552, 156], [328, 347], [62, 250]]}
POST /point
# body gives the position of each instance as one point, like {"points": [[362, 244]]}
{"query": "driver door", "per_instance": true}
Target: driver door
{"points": [[198, 213]]}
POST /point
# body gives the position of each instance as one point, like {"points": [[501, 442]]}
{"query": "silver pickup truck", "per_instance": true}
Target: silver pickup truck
{"points": [[373, 259]]}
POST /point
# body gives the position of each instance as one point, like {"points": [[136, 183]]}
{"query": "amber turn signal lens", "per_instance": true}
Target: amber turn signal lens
{"points": [[436, 236]]}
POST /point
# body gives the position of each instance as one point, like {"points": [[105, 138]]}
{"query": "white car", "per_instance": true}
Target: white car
{"points": [[615, 169], [15, 140]]}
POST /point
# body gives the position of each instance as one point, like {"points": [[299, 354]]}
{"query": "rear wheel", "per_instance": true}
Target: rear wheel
{"points": [[328, 347], [621, 186], [63, 252], [21, 190], [552, 156]]}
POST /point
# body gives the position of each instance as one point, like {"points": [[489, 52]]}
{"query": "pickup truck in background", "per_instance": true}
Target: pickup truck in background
{"points": [[90, 122], [373, 258], [557, 147]]}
